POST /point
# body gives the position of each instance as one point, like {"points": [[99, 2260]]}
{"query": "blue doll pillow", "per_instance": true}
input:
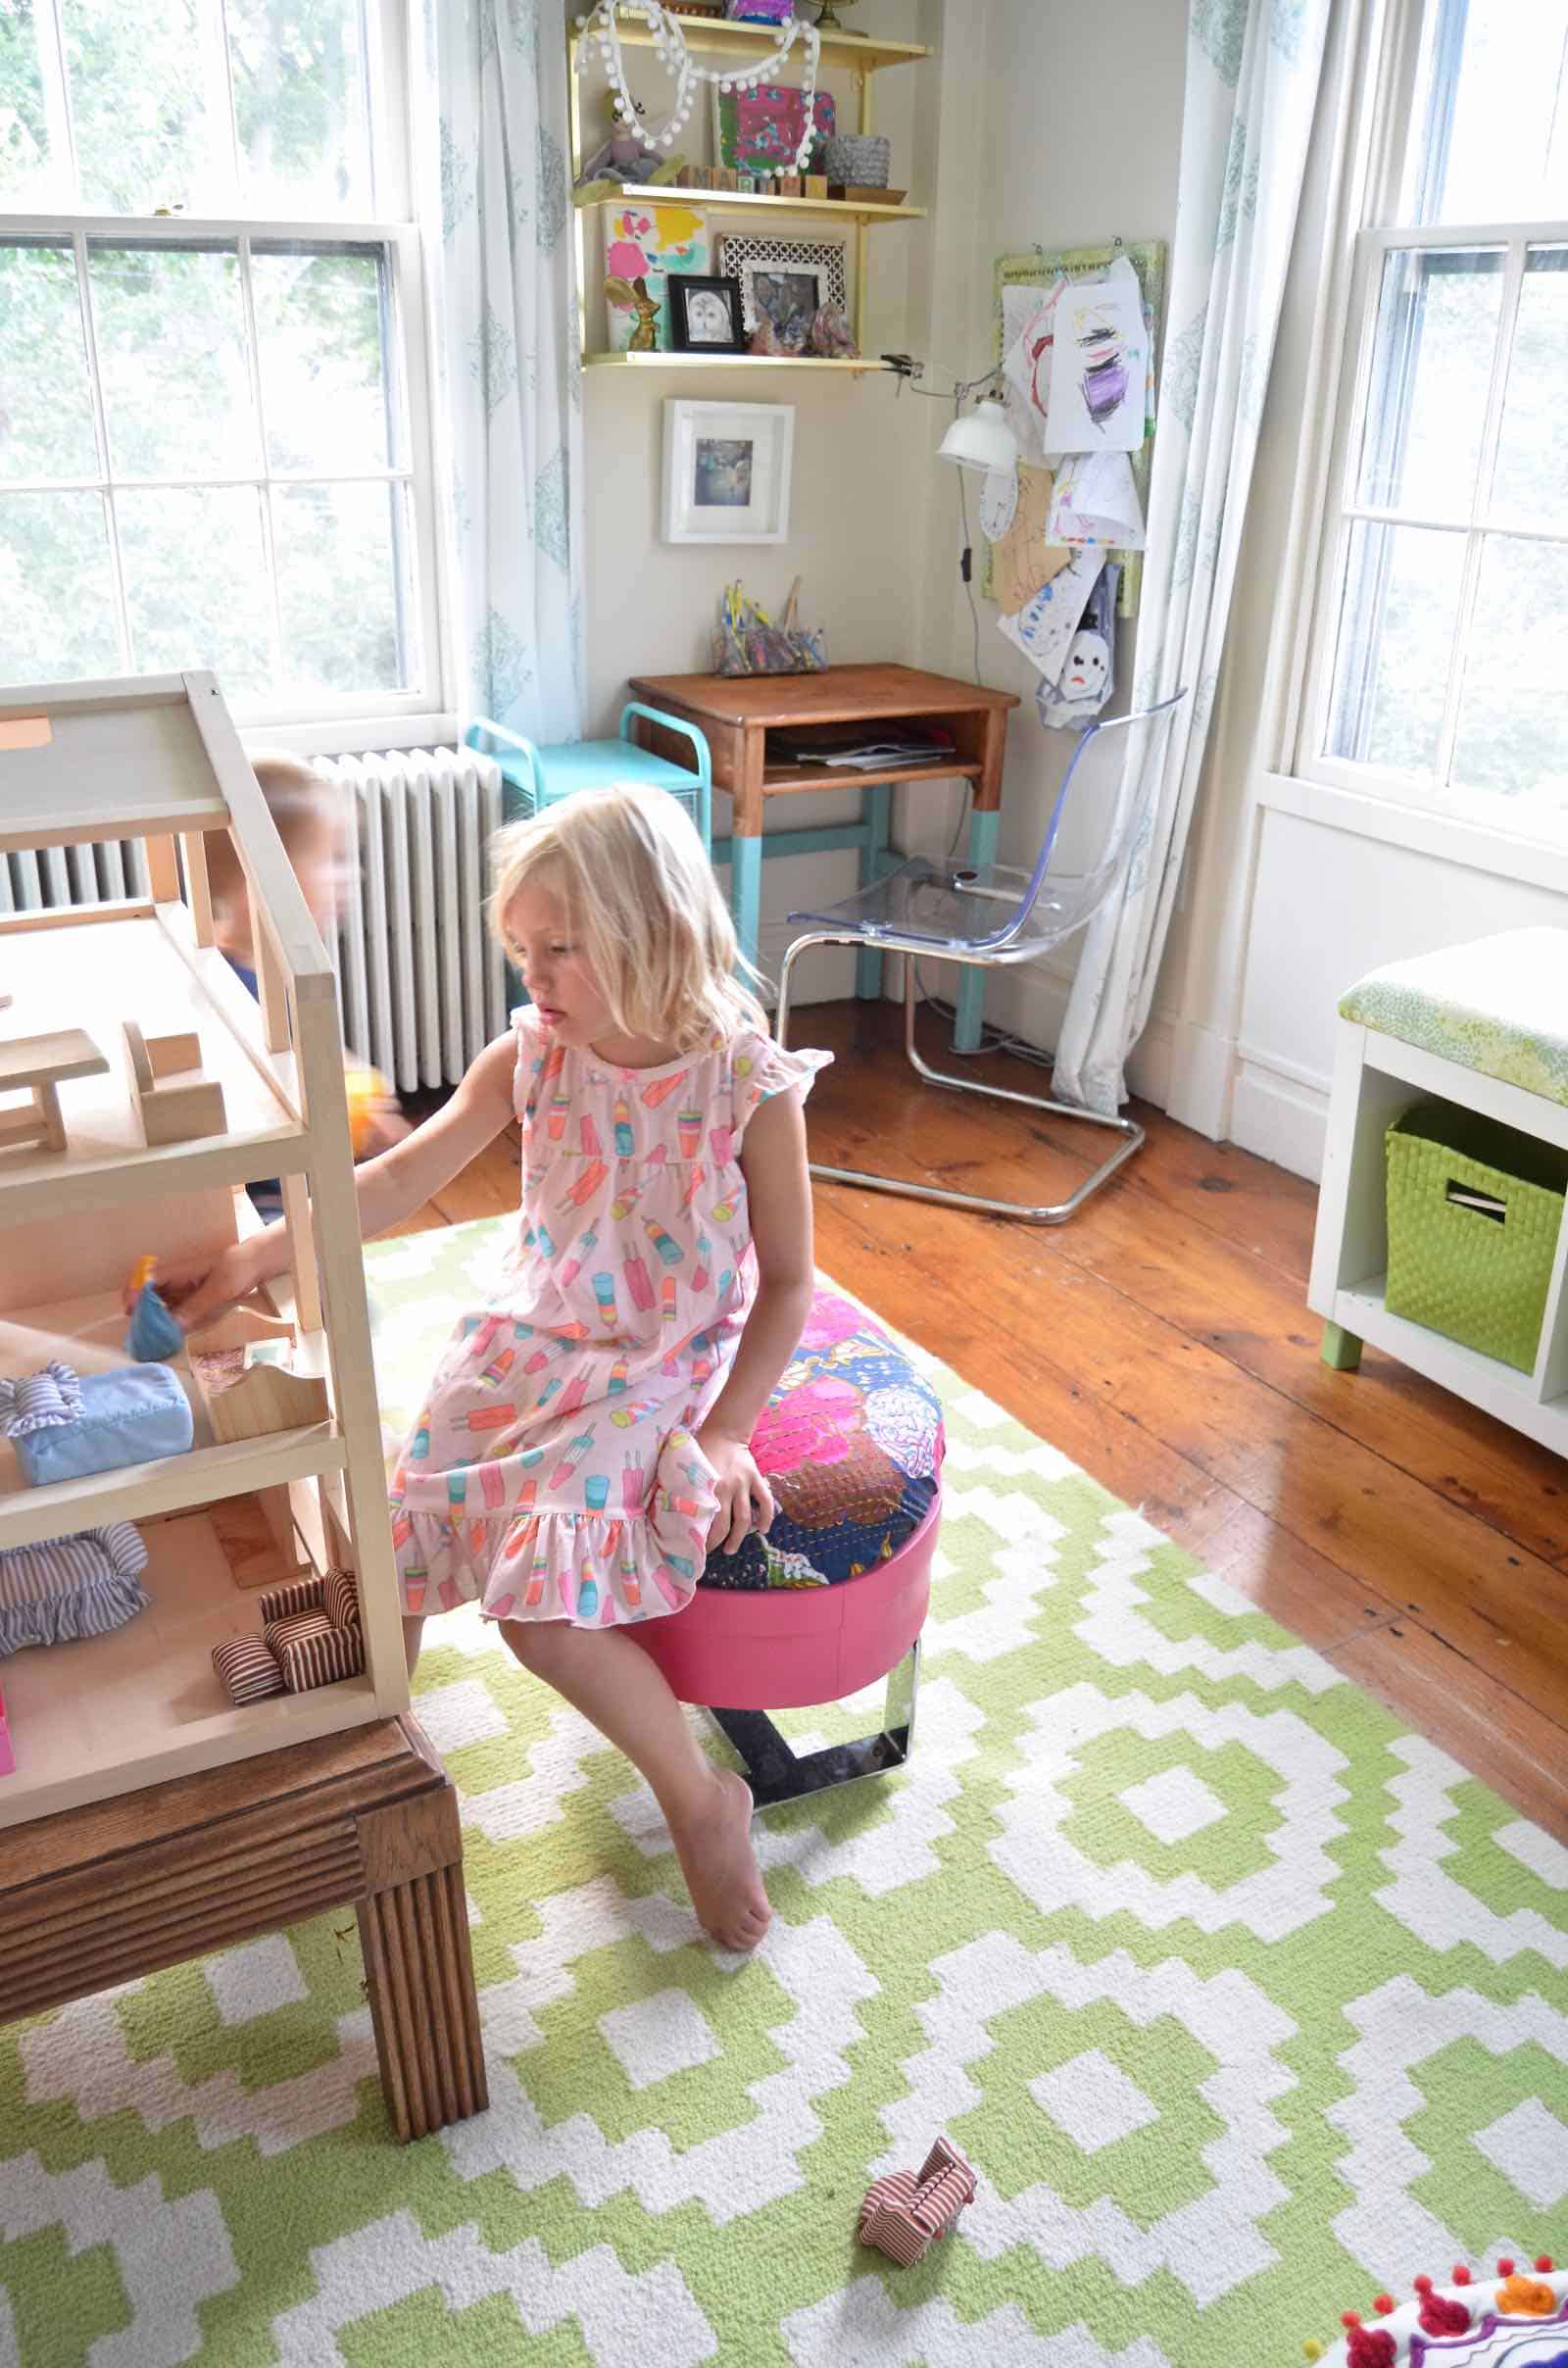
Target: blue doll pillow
{"points": [[64, 1425]]}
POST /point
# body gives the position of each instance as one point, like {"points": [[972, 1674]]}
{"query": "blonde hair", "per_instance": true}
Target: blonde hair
{"points": [[307, 812], [644, 906]]}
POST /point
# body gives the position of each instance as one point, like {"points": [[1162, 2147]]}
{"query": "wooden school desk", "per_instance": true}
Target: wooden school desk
{"points": [[736, 716]]}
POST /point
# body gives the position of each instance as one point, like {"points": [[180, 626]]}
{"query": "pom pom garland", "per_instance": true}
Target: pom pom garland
{"points": [[600, 25]]}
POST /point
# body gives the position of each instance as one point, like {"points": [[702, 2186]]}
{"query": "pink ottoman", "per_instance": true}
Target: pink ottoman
{"points": [[835, 1596]]}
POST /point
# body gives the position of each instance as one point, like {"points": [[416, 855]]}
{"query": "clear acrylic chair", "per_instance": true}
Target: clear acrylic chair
{"points": [[945, 911]]}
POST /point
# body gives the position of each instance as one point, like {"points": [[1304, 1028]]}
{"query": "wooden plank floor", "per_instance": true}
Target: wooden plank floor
{"points": [[1161, 1340]]}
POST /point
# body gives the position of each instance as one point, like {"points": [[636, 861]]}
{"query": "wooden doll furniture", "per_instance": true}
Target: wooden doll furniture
{"points": [[150, 1818]]}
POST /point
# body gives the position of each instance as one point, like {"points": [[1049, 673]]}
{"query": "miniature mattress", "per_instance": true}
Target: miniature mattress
{"points": [[1499, 1005], [62, 1587], [850, 1445], [64, 1425]]}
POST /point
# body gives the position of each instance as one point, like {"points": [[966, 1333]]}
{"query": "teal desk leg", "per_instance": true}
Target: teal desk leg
{"points": [[746, 892], [984, 829], [875, 804]]}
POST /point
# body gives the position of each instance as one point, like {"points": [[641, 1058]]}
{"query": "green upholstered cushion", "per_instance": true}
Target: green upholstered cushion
{"points": [[1499, 1005]]}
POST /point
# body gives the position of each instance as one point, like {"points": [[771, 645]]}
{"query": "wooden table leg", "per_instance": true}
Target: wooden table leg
{"points": [[418, 1967]]}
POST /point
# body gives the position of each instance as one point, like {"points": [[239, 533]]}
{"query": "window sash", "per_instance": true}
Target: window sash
{"points": [[406, 358], [1312, 759]]}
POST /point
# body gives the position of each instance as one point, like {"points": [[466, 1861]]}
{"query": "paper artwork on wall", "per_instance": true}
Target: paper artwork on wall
{"points": [[1095, 501], [648, 242], [1044, 628], [1023, 559], [1026, 365], [1099, 368]]}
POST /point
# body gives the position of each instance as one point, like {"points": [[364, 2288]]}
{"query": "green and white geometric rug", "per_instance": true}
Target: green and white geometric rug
{"points": [[1244, 2001]]}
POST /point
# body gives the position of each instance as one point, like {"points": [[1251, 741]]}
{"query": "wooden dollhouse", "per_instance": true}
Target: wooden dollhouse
{"points": [[282, 1484]]}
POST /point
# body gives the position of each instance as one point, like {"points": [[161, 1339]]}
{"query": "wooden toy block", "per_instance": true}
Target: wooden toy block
{"points": [[41, 1064], [247, 1401], [174, 1101]]}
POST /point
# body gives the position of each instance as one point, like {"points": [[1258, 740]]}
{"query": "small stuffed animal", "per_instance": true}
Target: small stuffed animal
{"points": [[633, 293], [630, 153], [829, 335]]}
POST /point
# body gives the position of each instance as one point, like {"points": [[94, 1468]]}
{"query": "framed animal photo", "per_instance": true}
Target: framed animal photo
{"points": [[727, 472], [789, 279], [705, 313]]}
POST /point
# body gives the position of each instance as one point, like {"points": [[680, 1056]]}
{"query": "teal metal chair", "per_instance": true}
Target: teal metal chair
{"points": [[535, 777]]}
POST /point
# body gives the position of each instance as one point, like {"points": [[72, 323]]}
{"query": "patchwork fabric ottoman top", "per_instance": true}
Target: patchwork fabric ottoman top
{"points": [[850, 1445], [1495, 1005]]}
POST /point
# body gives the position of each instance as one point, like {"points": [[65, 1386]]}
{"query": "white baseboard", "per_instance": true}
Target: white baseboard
{"points": [[1282, 1115], [1203, 1079]]}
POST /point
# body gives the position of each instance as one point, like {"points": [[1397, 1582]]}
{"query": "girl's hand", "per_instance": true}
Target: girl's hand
{"points": [[200, 1288], [744, 1500]]}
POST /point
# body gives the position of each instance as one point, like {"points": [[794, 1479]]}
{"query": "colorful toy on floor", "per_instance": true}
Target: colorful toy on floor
{"points": [[311, 1636], [64, 1425], [1514, 2314], [154, 1336], [905, 2211]]}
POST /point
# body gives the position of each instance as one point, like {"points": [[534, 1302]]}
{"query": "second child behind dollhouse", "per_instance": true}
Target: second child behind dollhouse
{"points": [[584, 1439]]}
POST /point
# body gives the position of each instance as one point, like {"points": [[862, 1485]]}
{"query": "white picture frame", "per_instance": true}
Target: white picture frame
{"points": [[727, 472], [746, 257]]}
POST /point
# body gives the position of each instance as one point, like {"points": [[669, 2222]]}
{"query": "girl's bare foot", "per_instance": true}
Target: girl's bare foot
{"points": [[714, 1844]]}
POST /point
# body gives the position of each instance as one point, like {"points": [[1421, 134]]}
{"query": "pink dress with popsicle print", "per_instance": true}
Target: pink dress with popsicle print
{"points": [[553, 1472]]}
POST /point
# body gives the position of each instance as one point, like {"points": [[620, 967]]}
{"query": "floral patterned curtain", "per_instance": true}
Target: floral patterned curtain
{"points": [[1254, 70], [507, 354]]}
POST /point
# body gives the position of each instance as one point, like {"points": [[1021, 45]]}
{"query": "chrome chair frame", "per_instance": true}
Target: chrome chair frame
{"points": [[1004, 945]]}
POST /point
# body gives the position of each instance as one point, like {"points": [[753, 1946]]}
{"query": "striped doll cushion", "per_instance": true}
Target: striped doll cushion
{"points": [[63, 1588]]}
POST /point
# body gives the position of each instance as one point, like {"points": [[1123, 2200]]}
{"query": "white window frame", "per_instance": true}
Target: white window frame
{"points": [[369, 719], [1370, 230]]}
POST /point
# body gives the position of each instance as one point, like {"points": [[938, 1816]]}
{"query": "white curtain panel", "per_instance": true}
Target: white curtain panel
{"points": [[1254, 70], [505, 310]]}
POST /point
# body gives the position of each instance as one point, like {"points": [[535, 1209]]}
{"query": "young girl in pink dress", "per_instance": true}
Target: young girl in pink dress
{"points": [[583, 1441]]}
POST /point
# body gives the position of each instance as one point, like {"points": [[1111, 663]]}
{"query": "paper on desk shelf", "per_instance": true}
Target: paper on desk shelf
{"points": [[1023, 559], [1045, 625], [1099, 366], [1094, 501]]}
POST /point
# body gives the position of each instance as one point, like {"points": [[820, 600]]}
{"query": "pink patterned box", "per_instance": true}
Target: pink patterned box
{"points": [[8, 1757]]}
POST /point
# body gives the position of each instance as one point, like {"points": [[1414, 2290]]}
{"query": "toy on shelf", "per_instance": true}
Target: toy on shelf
{"points": [[41, 1065], [174, 1101], [248, 1390], [905, 2212], [64, 1425], [633, 295], [153, 1337], [57, 1589], [311, 1636], [630, 153]]}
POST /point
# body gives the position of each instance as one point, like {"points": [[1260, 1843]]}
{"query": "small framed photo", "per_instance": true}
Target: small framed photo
{"points": [[727, 472], [787, 278], [704, 314]]}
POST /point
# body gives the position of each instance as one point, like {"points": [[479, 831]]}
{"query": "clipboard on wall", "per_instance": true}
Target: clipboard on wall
{"points": [[1015, 277]]}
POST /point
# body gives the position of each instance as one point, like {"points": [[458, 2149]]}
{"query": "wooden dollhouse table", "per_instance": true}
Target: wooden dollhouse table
{"points": [[736, 715], [101, 1894]]}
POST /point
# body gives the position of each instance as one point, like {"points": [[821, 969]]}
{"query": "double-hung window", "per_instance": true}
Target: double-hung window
{"points": [[1438, 671], [214, 440]]}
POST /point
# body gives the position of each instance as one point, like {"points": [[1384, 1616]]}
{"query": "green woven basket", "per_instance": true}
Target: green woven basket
{"points": [[1477, 1278]]}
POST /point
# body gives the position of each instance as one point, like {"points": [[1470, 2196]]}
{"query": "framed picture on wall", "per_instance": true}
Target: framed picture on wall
{"points": [[727, 472], [705, 313], [787, 278]]}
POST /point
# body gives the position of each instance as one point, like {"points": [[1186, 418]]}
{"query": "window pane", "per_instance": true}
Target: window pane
{"points": [[300, 106], [170, 330], [1513, 722], [1531, 483], [1396, 633], [195, 582], [1432, 365], [45, 405], [1489, 146], [24, 127], [57, 601], [342, 577], [137, 73], [318, 329]]}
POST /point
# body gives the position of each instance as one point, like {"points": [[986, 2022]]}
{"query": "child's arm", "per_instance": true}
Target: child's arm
{"points": [[778, 1188], [388, 1188]]}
